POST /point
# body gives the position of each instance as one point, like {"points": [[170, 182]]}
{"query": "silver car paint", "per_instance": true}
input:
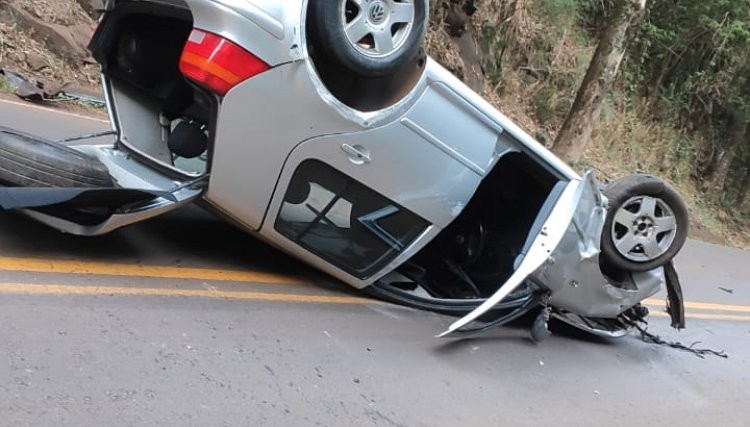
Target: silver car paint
{"points": [[251, 146], [314, 112], [420, 161], [395, 171], [446, 126], [128, 173], [272, 28], [572, 271]]}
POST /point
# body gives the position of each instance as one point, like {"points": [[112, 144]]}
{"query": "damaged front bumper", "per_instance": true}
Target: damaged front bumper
{"points": [[563, 262]]}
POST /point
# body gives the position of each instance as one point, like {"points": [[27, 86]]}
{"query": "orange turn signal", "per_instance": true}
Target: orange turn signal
{"points": [[216, 63]]}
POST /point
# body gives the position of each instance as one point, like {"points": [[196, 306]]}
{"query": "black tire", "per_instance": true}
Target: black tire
{"points": [[646, 225], [328, 19], [27, 161]]}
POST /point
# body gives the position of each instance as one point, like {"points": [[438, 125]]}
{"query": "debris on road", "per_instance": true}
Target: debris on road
{"points": [[37, 90], [650, 338]]}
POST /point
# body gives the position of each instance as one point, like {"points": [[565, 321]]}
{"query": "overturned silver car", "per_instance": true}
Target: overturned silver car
{"points": [[320, 127]]}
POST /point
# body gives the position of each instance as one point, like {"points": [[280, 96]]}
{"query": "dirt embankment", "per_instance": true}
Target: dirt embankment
{"points": [[464, 37], [47, 39]]}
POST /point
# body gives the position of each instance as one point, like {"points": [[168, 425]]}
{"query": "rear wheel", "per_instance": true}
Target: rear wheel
{"points": [[369, 37], [27, 161], [646, 225]]}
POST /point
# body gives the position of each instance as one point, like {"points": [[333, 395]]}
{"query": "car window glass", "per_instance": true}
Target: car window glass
{"points": [[343, 221]]}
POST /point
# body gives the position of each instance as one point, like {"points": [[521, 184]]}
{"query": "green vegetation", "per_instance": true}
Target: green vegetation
{"points": [[5, 87], [680, 107]]}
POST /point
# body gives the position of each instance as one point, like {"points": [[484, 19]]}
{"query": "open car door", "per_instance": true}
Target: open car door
{"points": [[549, 235]]}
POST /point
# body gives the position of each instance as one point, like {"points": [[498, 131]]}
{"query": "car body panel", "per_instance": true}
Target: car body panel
{"points": [[468, 136], [272, 28], [248, 139], [574, 274], [428, 153]]}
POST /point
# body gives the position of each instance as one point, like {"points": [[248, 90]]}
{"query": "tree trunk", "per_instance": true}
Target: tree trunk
{"points": [[743, 192], [738, 131], [576, 132]]}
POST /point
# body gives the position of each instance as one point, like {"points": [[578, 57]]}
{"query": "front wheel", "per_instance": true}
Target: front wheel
{"points": [[370, 37], [646, 224]]}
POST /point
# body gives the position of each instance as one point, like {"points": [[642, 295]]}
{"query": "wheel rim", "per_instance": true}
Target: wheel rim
{"points": [[377, 28], [644, 228]]}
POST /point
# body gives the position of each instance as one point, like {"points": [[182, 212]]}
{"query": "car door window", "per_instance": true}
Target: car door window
{"points": [[344, 222]]}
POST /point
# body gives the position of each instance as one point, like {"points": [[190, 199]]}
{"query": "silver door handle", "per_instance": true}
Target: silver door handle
{"points": [[357, 154]]}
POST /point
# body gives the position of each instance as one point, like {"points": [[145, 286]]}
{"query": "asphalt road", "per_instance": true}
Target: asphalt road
{"points": [[183, 320]]}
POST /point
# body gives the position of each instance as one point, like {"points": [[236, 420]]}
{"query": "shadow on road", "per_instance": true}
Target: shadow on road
{"points": [[189, 237]]}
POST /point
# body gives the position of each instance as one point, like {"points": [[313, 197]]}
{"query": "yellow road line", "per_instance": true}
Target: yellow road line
{"points": [[72, 290], [703, 306], [705, 316], [51, 289], [192, 273], [132, 270]]}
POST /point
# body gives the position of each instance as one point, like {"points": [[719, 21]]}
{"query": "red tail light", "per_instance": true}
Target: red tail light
{"points": [[216, 63]]}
